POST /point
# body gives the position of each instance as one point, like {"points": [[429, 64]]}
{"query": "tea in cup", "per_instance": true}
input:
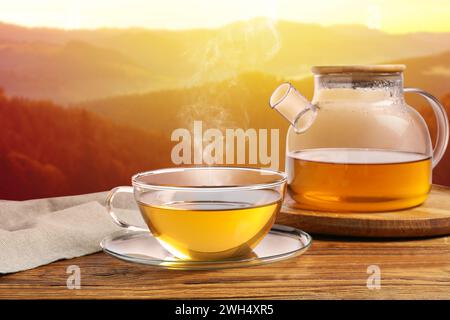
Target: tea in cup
{"points": [[206, 213]]}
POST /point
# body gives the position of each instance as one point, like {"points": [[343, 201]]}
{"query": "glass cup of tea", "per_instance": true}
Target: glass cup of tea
{"points": [[206, 213]]}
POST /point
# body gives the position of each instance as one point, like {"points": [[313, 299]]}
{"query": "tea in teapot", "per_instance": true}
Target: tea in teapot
{"points": [[358, 146], [347, 179]]}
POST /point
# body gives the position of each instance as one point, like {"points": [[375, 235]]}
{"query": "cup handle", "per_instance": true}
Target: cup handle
{"points": [[441, 121], [110, 209]]}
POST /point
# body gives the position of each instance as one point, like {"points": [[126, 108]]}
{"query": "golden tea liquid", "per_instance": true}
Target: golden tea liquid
{"points": [[199, 228], [358, 179]]}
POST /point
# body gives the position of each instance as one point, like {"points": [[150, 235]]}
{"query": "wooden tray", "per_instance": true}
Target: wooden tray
{"points": [[430, 219]]}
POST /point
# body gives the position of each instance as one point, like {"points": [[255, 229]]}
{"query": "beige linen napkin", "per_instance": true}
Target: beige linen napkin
{"points": [[37, 232]]}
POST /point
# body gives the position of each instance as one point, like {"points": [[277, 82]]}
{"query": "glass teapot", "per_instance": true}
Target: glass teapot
{"points": [[358, 146]]}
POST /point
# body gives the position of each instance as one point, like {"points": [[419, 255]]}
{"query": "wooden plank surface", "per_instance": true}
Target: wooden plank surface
{"points": [[333, 268], [430, 219]]}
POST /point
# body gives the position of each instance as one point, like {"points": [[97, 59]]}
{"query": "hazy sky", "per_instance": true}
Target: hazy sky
{"points": [[388, 15]]}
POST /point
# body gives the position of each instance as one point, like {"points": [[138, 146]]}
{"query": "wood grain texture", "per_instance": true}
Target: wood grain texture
{"points": [[430, 219], [333, 268]]}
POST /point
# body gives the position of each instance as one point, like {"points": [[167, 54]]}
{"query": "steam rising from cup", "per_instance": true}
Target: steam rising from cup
{"points": [[239, 48]]}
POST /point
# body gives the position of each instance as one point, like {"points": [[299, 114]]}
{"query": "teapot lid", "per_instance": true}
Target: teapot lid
{"points": [[379, 68]]}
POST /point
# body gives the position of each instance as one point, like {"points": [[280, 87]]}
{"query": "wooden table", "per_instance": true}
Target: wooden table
{"points": [[333, 268]]}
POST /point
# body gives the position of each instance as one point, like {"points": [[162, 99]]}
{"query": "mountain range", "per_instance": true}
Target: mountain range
{"points": [[69, 66], [118, 94], [47, 150]]}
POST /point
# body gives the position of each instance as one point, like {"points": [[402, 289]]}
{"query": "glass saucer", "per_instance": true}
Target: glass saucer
{"points": [[280, 243]]}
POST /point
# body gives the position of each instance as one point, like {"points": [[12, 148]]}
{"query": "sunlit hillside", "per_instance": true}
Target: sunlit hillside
{"points": [[46, 150], [79, 65], [68, 72]]}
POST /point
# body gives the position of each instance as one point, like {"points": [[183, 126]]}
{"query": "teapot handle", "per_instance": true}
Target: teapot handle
{"points": [[441, 121]]}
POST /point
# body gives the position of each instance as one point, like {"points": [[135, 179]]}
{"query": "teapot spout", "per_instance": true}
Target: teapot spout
{"points": [[294, 107]]}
